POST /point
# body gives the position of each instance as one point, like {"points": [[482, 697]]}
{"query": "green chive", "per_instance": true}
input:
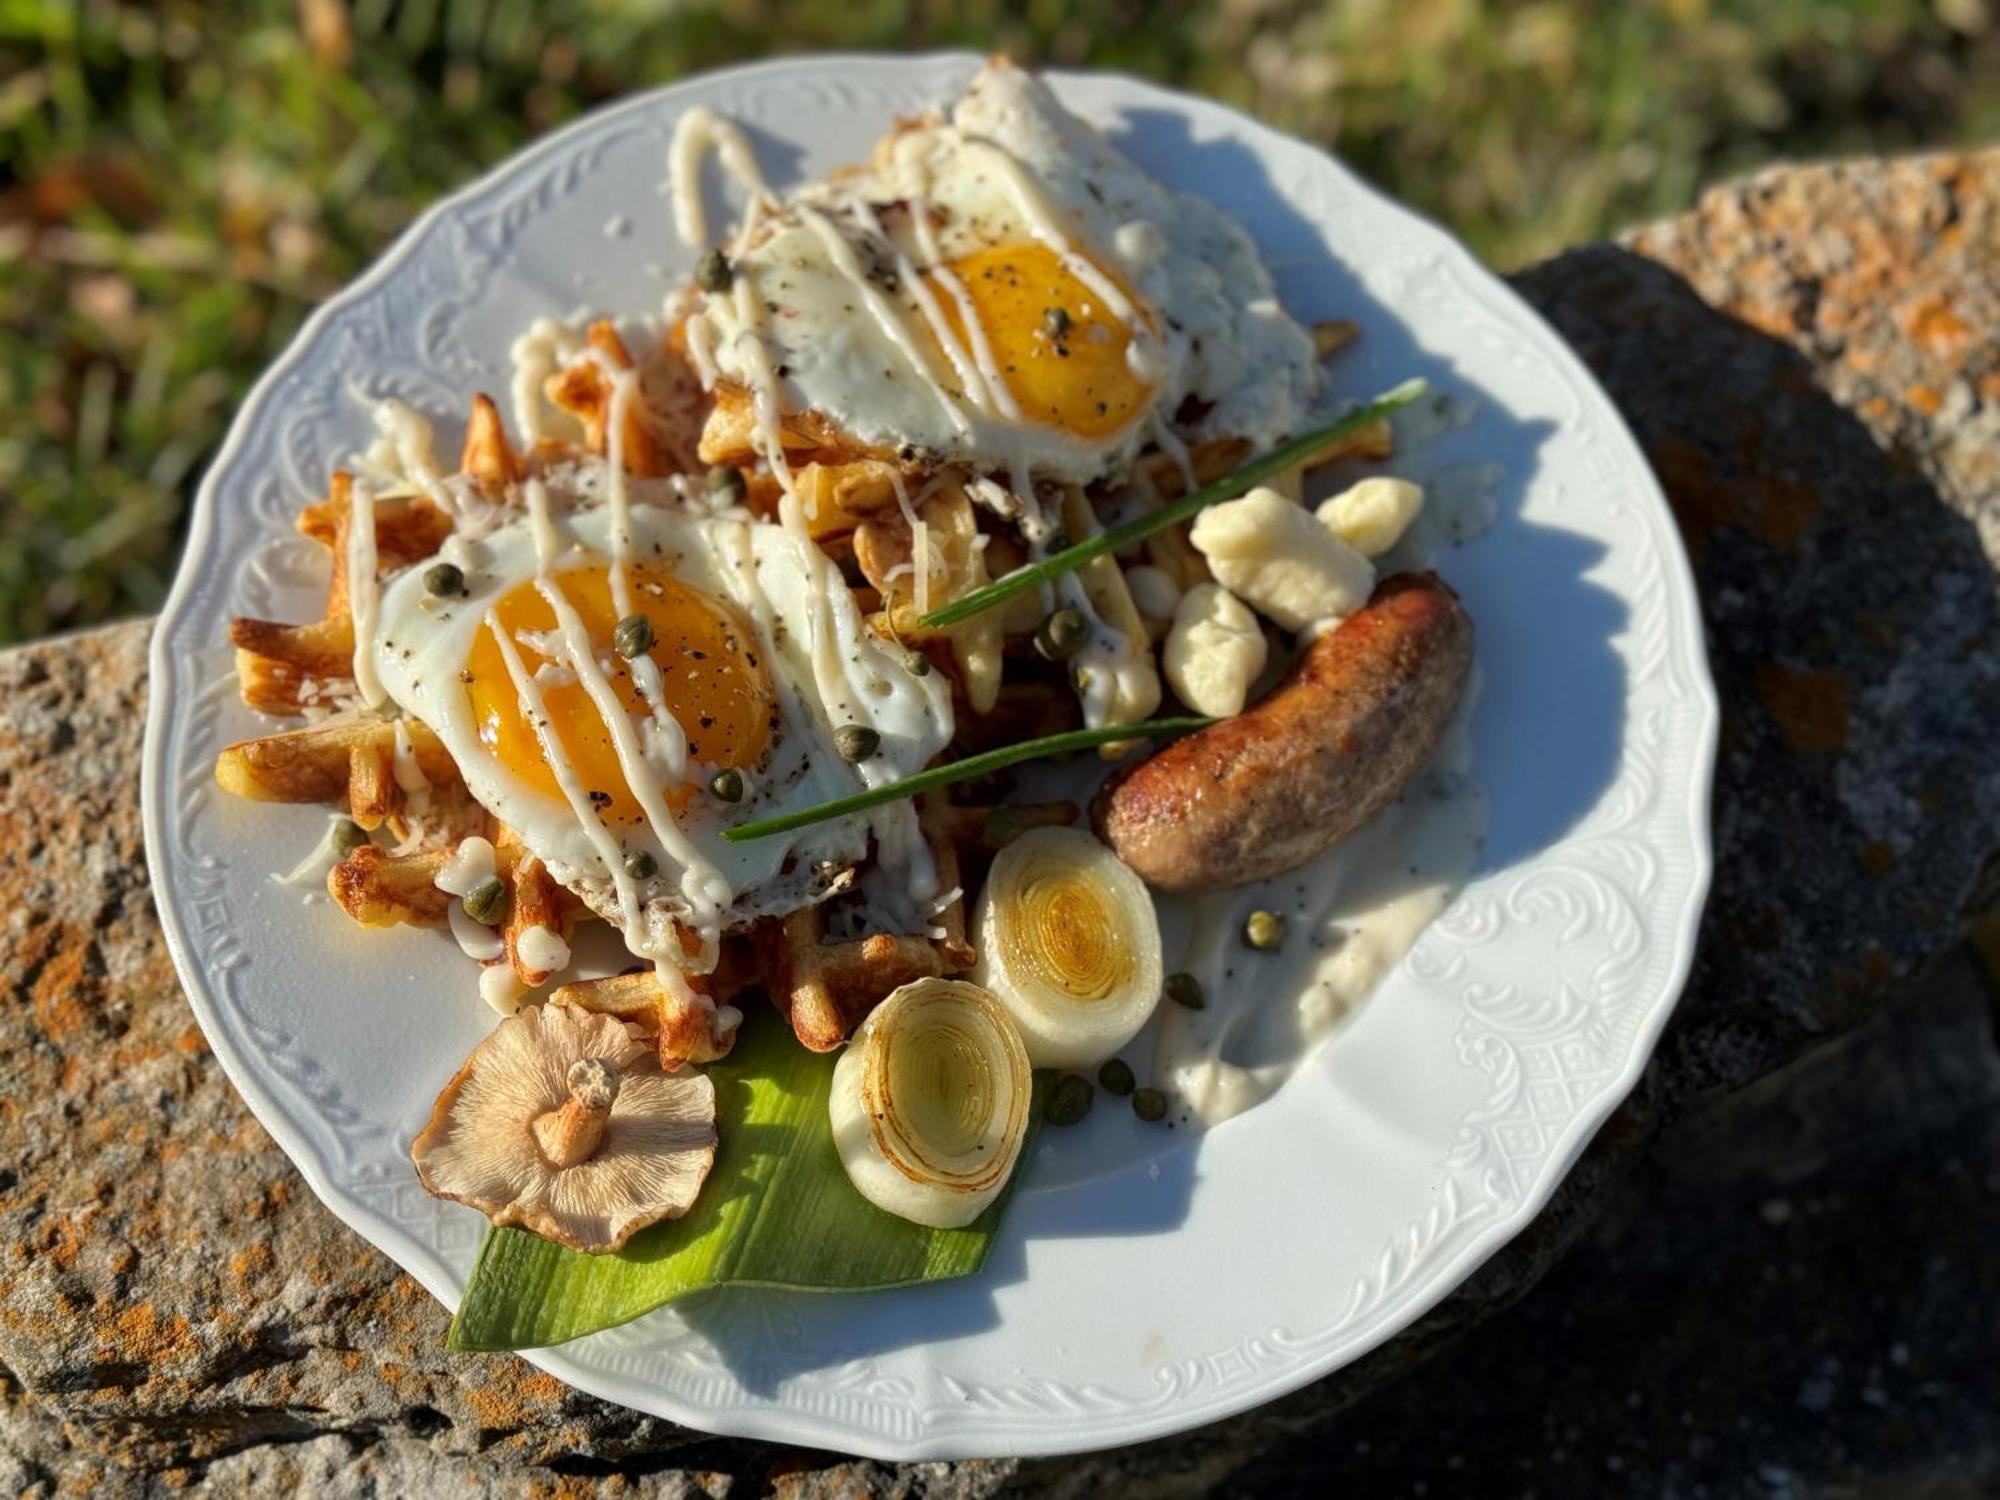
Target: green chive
{"points": [[963, 770], [1229, 487]]}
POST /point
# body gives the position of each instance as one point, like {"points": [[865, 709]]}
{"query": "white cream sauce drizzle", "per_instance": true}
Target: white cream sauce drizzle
{"points": [[542, 950], [1352, 914], [1000, 396], [501, 988], [666, 741], [470, 864], [536, 355], [971, 377], [883, 311], [696, 133], [1170, 444], [364, 590], [900, 845], [409, 776], [704, 887], [319, 860]]}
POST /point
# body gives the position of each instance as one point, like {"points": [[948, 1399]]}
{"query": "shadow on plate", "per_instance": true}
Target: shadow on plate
{"points": [[1548, 734], [1548, 731]]}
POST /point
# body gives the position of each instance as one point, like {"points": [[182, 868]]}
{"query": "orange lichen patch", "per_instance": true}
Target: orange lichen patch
{"points": [[516, 1401], [1934, 327], [251, 1261], [59, 1242], [1810, 708], [62, 969], [1924, 399], [139, 1335], [191, 1040], [1878, 857]]}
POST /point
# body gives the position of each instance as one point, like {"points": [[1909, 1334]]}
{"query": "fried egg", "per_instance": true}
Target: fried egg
{"points": [[754, 653], [1002, 287]]}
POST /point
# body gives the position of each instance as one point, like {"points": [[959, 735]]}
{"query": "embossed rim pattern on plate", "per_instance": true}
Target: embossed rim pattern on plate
{"points": [[1623, 901]]}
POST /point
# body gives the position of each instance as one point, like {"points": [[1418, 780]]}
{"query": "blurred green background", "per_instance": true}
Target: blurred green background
{"points": [[181, 182]]}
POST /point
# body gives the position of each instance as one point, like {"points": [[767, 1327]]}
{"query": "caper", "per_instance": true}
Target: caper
{"points": [[1062, 635], [348, 836], [713, 273], [1184, 989], [1056, 322], [1149, 1105], [727, 785], [916, 663], [728, 484], [486, 903], [446, 580], [1069, 1100], [633, 638], [641, 865], [1264, 929], [856, 742], [1115, 1077]]}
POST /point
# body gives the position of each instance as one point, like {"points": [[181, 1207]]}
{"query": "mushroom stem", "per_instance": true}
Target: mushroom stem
{"points": [[573, 1132]]}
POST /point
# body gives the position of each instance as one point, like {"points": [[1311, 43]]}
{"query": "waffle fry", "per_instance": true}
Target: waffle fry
{"points": [[825, 988], [380, 887], [837, 498], [682, 1032], [347, 760], [954, 566], [585, 390], [288, 669], [488, 457]]}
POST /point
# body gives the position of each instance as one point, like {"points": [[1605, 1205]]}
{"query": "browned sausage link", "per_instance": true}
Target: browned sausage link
{"points": [[1293, 775]]}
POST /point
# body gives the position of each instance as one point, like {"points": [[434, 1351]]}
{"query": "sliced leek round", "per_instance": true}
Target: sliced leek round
{"points": [[1069, 941], [929, 1103]]}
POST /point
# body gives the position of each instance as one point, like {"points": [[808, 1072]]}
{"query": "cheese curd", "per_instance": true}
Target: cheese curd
{"points": [[1372, 516], [1280, 559], [1214, 651]]}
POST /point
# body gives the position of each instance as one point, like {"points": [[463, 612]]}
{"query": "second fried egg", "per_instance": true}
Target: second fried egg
{"points": [[609, 762]]}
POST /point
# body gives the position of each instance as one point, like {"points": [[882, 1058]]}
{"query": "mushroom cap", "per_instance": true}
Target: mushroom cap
{"points": [[479, 1148]]}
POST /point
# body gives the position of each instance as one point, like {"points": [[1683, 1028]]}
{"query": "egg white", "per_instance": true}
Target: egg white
{"points": [[1222, 337], [424, 641]]}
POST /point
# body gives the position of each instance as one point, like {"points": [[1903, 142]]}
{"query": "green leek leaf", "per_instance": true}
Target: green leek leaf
{"points": [[777, 1210]]}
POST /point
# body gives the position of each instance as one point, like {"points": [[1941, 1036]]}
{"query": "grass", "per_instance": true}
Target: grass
{"points": [[180, 182]]}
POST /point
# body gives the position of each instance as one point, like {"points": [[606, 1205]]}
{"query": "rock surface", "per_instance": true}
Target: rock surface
{"points": [[1807, 358]]}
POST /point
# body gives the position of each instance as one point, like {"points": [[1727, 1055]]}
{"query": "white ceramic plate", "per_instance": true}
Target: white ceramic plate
{"points": [[1205, 1274]]}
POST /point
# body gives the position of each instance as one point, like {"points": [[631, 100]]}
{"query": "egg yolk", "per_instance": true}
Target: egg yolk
{"points": [[712, 677], [1061, 351]]}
